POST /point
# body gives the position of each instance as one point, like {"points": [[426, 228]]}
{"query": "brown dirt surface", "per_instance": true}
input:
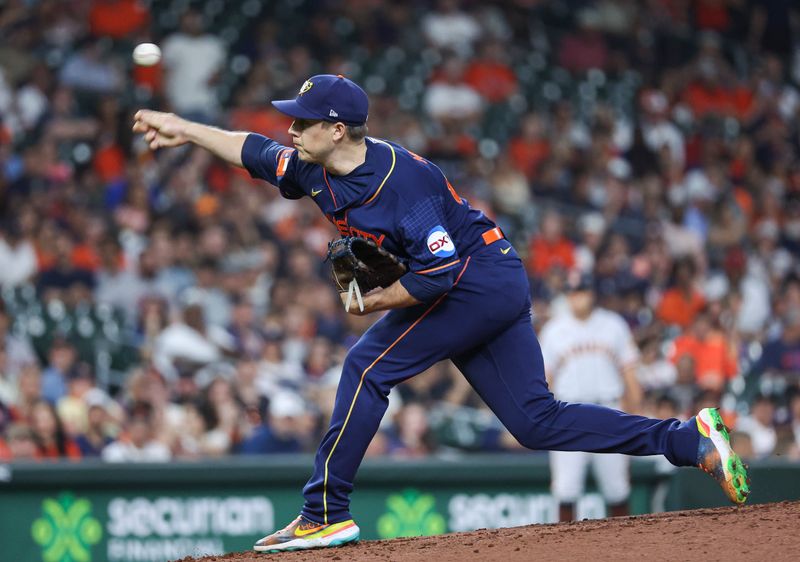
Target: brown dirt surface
{"points": [[757, 532]]}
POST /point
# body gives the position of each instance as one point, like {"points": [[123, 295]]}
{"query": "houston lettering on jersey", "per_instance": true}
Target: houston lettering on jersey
{"points": [[347, 230]]}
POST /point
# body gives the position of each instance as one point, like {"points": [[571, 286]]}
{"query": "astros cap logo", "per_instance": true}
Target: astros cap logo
{"points": [[306, 87]]}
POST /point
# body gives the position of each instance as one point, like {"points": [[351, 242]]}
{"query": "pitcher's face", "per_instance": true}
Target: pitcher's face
{"points": [[313, 139]]}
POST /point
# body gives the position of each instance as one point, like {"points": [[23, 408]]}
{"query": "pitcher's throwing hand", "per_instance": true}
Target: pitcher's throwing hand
{"points": [[160, 129]]}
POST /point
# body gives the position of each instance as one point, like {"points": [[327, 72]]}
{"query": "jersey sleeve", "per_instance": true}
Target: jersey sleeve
{"points": [[433, 257], [268, 160]]}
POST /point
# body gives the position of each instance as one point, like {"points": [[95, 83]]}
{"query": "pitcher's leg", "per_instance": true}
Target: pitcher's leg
{"points": [[400, 345], [357, 413], [508, 373], [585, 427]]}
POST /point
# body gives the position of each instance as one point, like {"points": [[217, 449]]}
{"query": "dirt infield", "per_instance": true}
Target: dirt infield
{"points": [[759, 532]]}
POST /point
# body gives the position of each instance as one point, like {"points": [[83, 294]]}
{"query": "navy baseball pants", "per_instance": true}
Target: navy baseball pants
{"points": [[484, 325]]}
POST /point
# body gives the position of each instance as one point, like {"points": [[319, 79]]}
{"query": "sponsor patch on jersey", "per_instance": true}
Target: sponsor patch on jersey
{"points": [[439, 242]]}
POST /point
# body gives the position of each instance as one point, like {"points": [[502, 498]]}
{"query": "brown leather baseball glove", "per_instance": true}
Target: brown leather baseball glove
{"points": [[359, 265]]}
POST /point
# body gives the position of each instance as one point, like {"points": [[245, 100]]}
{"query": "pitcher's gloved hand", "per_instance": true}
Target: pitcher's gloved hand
{"points": [[359, 265]]}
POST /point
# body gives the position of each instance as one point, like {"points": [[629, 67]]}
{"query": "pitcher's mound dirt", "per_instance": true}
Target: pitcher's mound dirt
{"points": [[769, 532]]}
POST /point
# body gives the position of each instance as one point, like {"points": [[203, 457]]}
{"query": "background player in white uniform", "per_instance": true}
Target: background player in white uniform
{"points": [[590, 357]]}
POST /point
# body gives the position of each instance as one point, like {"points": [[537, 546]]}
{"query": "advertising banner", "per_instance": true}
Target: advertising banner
{"points": [[154, 513]]}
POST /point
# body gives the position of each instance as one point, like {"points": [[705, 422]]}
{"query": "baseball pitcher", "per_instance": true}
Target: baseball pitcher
{"points": [[464, 296]]}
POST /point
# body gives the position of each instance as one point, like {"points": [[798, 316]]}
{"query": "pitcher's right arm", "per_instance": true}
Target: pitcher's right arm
{"points": [[165, 130]]}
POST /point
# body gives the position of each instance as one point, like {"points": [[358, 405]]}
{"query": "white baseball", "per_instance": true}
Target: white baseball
{"points": [[146, 54]]}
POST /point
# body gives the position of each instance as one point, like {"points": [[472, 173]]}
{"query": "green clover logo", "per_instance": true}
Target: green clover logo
{"points": [[411, 514], [67, 530]]}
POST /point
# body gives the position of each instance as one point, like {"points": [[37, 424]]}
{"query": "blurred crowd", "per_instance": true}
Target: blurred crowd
{"points": [[164, 305]]}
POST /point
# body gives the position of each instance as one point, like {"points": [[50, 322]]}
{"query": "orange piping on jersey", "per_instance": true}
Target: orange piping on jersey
{"points": [[391, 169], [417, 157], [361, 383], [431, 270], [453, 192], [325, 175]]}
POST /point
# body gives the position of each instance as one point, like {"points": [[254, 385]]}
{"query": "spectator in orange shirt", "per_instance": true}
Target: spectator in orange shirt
{"points": [[51, 440], [490, 75], [714, 358], [64, 275], [530, 147], [681, 303], [117, 19], [714, 89], [551, 248], [86, 253], [109, 160]]}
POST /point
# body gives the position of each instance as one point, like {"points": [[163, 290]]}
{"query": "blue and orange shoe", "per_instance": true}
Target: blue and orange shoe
{"points": [[716, 457], [302, 534]]}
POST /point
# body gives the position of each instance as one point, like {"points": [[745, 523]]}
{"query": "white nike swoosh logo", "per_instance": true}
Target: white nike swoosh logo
{"points": [[315, 192], [505, 250]]}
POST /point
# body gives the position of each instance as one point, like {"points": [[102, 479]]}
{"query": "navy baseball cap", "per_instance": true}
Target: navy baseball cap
{"points": [[329, 97]]}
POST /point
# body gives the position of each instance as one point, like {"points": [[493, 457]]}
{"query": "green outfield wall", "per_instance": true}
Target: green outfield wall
{"points": [[90, 512]]}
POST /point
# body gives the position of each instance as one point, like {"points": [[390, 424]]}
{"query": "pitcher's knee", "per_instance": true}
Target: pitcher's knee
{"points": [[353, 367], [526, 433], [527, 437], [354, 371], [534, 430], [350, 375]]}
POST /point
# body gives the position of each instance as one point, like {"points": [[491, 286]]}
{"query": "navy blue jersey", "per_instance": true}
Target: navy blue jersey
{"points": [[396, 198], [481, 320]]}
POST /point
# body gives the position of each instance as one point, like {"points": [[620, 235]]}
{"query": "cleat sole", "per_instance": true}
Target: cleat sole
{"points": [[333, 544], [351, 536]]}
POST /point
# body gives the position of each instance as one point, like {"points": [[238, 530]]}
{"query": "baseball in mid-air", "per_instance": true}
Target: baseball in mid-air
{"points": [[146, 54]]}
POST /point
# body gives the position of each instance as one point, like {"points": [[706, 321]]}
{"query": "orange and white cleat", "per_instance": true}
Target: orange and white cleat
{"points": [[302, 534], [716, 457]]}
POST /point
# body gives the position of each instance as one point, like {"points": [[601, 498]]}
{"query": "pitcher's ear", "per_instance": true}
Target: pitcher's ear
{"points": [[339, 131]]}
